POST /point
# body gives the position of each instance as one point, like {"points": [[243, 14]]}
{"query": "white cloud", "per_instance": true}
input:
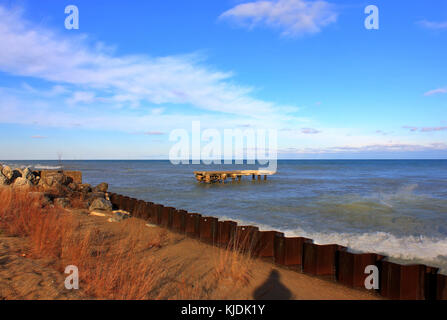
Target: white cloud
{"points": [[435, 91], [32, 51], [433, 25], [425, 129], [81, 97], [367, 148], [309, 131], [292, 17]]}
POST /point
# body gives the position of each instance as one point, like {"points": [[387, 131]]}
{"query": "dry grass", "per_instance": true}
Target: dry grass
{"points": [[107, 269], [118, 264], [234, 264]]}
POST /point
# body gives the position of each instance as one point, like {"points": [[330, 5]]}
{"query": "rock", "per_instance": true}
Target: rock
{"points": [[62, 202], [96, 195], [58, 178], [54, 187], [62, 179], [102, 187], [98, 214], [22, 182], [3, 180], [28, 174], [15, 174], [85, 187], [7, 172], [119, 216], [73, 186], [48, 181], [101, 204]]}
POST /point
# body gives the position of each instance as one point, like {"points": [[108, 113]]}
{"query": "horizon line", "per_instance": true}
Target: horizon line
{"points": [[222, 160]]}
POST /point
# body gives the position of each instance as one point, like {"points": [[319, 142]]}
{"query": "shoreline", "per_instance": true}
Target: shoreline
{"points": [[299, 256], [331, 262]]}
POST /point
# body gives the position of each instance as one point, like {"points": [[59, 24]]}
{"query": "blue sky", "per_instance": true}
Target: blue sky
{"points": [[136, 70]]}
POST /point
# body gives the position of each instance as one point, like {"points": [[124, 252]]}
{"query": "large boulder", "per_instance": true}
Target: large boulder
{"points": [[53, 186], [73, 186], [101, 204], [16, 173], [102, 187], [62, 202], [86, 188], [57, 178], [7, 172], [22, 183], [3, 180], [95, 195], [119, 216], [28, 174]]}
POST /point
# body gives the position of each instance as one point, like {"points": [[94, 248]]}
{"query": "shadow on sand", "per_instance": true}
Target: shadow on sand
{"points": [[272, 289]]}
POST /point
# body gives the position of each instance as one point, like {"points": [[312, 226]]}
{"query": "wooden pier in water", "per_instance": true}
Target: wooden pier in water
{"points": [[222, 176]]}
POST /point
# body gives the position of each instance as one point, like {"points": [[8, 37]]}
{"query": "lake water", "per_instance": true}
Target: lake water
{"points": [[393, 207]]}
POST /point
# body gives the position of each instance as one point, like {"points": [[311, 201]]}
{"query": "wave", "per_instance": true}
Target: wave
{"points": [[34, 166], [403, 249], [45, 167]]}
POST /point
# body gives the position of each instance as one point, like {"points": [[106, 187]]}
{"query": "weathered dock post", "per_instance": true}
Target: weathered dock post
{"points": [[222, 176]]}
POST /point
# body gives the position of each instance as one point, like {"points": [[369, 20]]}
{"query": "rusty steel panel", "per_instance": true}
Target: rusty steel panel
{"points": [[208, 229], [247, 238], [226, 233], [179, 220], [321, 260], [351, 267], [266, 248], [192, 225]]}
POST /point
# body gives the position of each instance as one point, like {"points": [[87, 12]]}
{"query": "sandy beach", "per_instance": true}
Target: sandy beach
{"points": [[189, 270], [46, 228]]}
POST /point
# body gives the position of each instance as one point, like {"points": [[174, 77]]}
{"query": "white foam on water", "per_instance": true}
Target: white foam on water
{"points": [[36, 166], [431, 251], [43, 167]]}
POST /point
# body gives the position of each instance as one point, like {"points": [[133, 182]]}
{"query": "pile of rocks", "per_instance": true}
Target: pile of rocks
{"points": [[18, 177], [57, 188]]}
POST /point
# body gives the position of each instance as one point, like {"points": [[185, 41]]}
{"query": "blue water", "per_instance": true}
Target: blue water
{"points": [[394, 207]]}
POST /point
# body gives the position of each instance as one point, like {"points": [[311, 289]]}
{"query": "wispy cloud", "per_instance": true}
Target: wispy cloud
{"points": [[433, 25], [38, 137], [153, 133], [386, 148], [435, 91], [384, 133], [309, 131], [32, 51], [81, 97], [425, 129], [291, 17]]}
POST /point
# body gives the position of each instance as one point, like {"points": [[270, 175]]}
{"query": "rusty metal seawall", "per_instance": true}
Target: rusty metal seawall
{"points": [[332, 262]]}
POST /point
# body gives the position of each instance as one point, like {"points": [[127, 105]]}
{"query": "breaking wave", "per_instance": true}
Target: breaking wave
{"points": [[43, 167], [403, 249]]}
